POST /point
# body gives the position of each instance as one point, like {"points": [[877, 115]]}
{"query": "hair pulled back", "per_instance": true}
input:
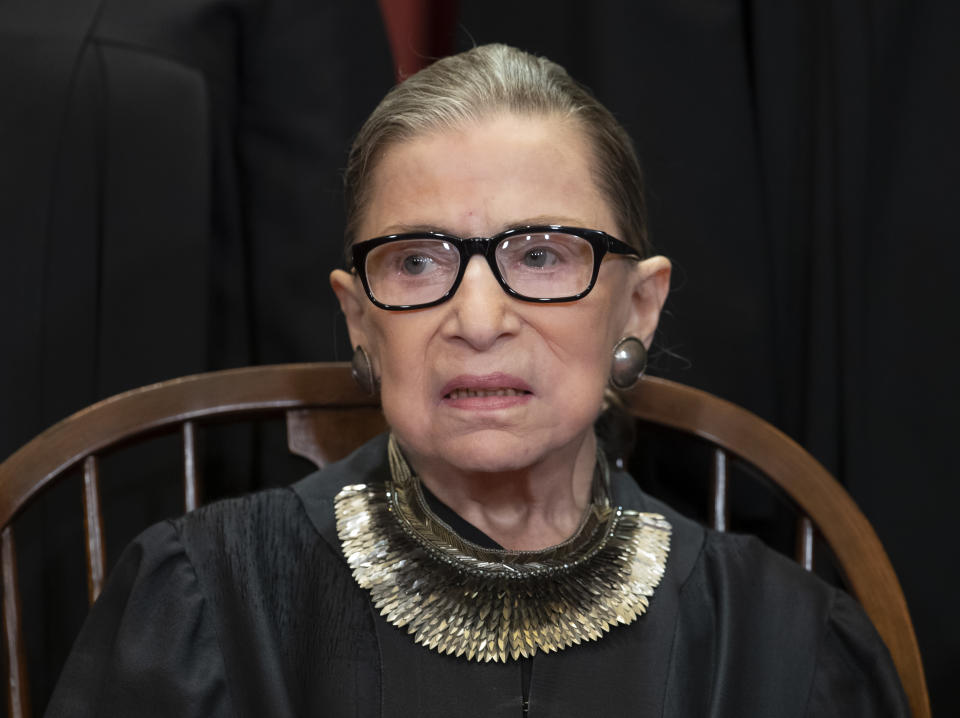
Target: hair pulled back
{"points": [[483, 82]]}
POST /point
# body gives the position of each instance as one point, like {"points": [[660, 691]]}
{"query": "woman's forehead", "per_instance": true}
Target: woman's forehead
{"points": [[486, 176]]}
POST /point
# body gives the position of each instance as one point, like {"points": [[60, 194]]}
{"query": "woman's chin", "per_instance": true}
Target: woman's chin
{"points": [[493, 451]]}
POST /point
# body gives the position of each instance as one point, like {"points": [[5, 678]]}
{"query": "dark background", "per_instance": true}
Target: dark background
{"points": [[169, 203]]}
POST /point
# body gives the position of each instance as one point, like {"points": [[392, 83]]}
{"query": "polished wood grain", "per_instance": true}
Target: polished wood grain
{"points": [[18, 691], [327, 435], [93, 528], [191, 478], [805, 538], [163, 407], [720, 514], [327, 416]]}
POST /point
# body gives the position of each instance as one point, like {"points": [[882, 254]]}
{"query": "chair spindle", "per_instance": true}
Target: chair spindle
{"points": [[191, 481], [93, 528], [18, 692], [805, 535], [720, 520]]}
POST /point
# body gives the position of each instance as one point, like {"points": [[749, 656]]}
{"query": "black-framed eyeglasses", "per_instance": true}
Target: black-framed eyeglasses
{"points": [[548, 263]]}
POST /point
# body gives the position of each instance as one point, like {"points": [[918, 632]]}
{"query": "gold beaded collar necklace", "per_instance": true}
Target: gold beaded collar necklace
{"points": [[458, 598]]}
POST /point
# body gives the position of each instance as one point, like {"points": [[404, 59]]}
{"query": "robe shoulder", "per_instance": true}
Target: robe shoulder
{"points": [[150, 645], [242, 607], [778, 640]]}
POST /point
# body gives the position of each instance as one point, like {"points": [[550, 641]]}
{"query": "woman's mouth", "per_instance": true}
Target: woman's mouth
{"points": [[487, 391], [469, 393]]}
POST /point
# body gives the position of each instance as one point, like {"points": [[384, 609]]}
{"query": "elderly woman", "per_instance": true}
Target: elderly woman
{"points": [[483, 559]]}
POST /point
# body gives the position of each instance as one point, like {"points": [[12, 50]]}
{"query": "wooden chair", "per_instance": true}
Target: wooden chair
{"points": [[327, 417]]}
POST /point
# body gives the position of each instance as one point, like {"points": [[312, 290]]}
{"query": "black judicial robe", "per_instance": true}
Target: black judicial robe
{"points": [[247, 608]]}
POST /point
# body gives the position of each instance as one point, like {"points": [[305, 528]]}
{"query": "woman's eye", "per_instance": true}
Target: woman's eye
{"points": [[416, 264], [539, 258]]}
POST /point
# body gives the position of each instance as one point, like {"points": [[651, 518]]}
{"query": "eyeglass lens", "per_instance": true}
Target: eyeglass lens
{"points": [[538, 266]]}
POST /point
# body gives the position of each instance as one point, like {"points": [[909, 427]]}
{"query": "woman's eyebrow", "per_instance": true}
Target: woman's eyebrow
{"points": [[545, 219], [542, 219], [415, 228]]}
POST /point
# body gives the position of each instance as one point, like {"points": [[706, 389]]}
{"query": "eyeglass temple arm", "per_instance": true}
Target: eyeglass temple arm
{"points": [[617, 246]]}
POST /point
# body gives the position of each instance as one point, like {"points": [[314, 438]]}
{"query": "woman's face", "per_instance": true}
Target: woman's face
{"points": [[485, 382]]}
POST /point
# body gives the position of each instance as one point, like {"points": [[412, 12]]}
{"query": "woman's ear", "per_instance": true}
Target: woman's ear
{"points": [[650, 284], [353, 303]]}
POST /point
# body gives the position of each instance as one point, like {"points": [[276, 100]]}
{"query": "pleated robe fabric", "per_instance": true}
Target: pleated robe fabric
{"points": [[248, 608]]}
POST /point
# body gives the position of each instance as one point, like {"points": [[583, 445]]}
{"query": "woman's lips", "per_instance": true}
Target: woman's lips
{"points": [[487, 391], [469, 393]]}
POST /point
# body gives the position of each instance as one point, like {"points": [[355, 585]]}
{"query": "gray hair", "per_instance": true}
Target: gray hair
{"points": [[482, 82]]}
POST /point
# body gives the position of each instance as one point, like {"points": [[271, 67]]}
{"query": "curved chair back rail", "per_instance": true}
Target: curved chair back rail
{"points": [[327, 416], [162, 406], [833, 513]]}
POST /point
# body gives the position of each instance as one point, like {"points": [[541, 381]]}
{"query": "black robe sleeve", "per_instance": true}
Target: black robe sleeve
{"points": [[149, 646], [756, 635], [854, 675]]}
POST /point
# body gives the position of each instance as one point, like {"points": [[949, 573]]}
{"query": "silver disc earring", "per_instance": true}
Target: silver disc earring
{"points": [[362, 371], [629, 363]]}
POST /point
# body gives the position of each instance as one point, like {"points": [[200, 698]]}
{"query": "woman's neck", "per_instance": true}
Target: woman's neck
{"points": [[527, 509]]}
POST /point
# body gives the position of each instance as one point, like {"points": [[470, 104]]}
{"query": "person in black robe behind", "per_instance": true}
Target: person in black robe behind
{"points": [[483, 558], [168, 167]]}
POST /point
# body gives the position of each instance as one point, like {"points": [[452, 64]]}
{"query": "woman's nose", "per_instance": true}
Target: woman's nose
{"points": [[482, 311]]}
